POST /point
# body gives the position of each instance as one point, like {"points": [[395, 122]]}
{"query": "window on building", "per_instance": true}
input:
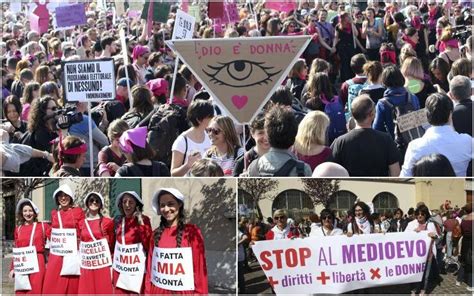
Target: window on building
{"points": [[296, 202], [342, 201], [385, 201], [246, 204]]}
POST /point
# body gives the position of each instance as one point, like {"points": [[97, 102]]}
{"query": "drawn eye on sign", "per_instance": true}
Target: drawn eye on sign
{"points": [[241, 73]]}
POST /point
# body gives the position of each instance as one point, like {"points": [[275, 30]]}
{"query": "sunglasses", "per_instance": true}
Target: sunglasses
{"points": [[214, 131], [431, 4], [93, 200], [279, 217], [52, 109]]}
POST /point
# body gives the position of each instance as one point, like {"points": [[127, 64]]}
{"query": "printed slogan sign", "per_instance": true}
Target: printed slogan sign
{"points": [[338, 264], [241, 73], [25, 260], [63, 242], [95, 255], [129, 259], [184, 26], [172, 269], [89, 81]]}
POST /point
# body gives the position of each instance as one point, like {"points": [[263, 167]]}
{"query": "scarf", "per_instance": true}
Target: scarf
{"points": [[363, 224]]}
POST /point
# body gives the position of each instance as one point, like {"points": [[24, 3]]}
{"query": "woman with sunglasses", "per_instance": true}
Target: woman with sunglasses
{"points": [[62, 274], [361, 222], [174, 232], [41, 131], [328, 225], [422, 223], [96, 228], [282, 229], [225, 147], [30, 233], [133, 234]]}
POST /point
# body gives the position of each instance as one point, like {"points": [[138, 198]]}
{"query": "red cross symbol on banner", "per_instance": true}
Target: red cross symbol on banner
{"points": [[323, 278], [272, 282], [375, 273]]}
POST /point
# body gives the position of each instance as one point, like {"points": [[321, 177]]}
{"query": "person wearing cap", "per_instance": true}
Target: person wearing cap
{"points": [[96, 227], [140, 57], [173, 232], [65, 217], [139, 154], [30, 233], [132, 231], [282, 229], [122, 94], [69, 157]]}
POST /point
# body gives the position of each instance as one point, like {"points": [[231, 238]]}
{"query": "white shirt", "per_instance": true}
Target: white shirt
{"points": [[442, 140], [320, 231], [430, 227], [180, 146]]}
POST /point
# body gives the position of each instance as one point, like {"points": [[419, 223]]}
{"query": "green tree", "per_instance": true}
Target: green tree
{"points": [[258, 189], [320, 190]]}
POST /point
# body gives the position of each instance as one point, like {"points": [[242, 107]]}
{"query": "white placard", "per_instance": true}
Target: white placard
{"points": [[95, 255], [15, 7], [25, 260], [129, 259], [183, 26], [63, 242], [337, 264], [172, 269], [89, 81]]}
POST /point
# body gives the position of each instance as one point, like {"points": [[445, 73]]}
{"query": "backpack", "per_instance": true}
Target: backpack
{"points": [[353, 92], [402, 139], [165, 125], [284, 170], [335, 111], [132, 119]]}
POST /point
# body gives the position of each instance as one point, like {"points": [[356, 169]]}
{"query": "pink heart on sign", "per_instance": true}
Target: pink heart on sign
{"points": [[239, 101]]}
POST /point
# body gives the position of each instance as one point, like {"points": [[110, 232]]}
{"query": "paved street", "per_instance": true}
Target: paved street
{"points": [[256, 283]]}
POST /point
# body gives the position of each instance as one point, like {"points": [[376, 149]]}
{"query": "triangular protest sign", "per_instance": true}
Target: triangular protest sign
{"points": [[242, 73]]}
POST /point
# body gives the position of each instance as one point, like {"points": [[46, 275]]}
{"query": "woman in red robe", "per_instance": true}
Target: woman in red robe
{"points": [[174, 233], [96, 227], [66, 217], [27, 213], [132, 227]]}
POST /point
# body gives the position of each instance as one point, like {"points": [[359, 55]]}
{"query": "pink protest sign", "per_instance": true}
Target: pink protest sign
{"points": [[70, 15], [284, 6], [231, 12], [34, 22]]}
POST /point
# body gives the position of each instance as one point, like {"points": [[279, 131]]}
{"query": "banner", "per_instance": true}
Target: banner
{"points": [[183, 26], [70, 15], [337, 264], [63, 242], [89, 81], [95, 255], [25, 260], [172, 269], [241, 73], [283, 5]]}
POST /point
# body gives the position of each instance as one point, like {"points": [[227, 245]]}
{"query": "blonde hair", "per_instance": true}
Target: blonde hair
{"points": [[297, 68], [405, 52], [312, 130], [117, 128], [280, 212], [230, 135], [412, 67]]}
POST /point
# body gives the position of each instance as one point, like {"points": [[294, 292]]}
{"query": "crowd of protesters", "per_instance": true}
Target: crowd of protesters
{"points": [[335, 115], [449, 227]]}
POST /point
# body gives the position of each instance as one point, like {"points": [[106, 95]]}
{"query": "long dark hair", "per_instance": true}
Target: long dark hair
{"points": [[163, 224]]}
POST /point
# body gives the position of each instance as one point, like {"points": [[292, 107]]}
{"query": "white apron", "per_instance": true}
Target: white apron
{"points": [[129, 262], [64, 243], [25, 262]]}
